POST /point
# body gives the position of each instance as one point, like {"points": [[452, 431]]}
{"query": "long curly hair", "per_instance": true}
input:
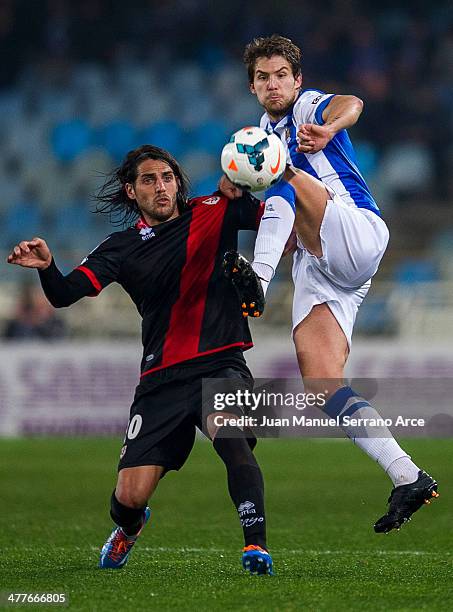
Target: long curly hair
{"points": [[112, 198]]}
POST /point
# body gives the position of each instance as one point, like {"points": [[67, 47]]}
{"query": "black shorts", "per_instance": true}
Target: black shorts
{"points": [[163, 421]]}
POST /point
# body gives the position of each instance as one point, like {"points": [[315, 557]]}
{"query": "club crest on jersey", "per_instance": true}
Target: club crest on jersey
{"points": [[211, 201], [146, 233]]}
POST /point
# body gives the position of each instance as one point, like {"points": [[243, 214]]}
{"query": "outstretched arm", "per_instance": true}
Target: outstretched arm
{"points": [[341, 113], [60, 290]]}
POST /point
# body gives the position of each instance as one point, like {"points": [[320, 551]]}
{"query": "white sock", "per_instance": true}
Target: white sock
{"points": [[403, 471], [264, 272], [274, 230], [377, 442]]}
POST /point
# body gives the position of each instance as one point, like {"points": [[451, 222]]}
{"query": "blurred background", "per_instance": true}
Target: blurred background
{"points": [[83, 82]]}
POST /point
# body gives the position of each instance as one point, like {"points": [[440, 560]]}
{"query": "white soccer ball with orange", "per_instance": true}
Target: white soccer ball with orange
{"points": [[254, 159]]}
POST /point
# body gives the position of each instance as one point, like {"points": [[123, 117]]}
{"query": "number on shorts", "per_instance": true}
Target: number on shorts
{"points": [[134, 426]]}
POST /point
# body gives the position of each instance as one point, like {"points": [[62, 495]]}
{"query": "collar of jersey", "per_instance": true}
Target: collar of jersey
{"points": [[141, 224]]}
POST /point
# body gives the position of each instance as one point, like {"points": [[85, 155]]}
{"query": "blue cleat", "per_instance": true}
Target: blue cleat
{"points": [[115, 552], [257, 561]]}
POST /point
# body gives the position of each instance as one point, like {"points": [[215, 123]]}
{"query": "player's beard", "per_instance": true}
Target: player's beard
{"points": [[159, 213], [278, 109]]}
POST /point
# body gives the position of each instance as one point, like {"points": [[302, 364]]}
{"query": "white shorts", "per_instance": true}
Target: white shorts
{"points": [[353, 242]]}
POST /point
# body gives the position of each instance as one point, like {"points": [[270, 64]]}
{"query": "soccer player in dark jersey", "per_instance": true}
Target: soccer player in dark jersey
{"points": [[170, 263]]}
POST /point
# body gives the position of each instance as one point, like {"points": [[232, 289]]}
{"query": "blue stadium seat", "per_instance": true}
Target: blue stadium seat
{"points": [[117, 138], [73, 225], [411, 271], [166, 134], [69, 139], [211, 57], [367, 158], [206, 185], [210, 136], [375, 317], [23, 220]]}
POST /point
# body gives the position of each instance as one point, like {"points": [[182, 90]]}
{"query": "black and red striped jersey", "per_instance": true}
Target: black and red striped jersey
{"points": [[173, 274]]}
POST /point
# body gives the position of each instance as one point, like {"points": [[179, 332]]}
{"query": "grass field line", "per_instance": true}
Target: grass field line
{"points": [[293, 551], [290, 551]]}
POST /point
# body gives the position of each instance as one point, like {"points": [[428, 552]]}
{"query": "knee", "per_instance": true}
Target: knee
{"points": [[132, 497]]}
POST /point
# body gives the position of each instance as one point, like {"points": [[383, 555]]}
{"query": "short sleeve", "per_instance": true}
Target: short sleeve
{"points": [[310, 106]]}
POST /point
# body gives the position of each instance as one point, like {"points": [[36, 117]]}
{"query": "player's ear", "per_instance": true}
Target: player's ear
{"points": [[130, 191], [298, 81], [252, 88]]}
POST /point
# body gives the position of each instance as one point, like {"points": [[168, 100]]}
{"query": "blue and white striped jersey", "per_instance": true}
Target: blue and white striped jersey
{"points": [[335, 165]]}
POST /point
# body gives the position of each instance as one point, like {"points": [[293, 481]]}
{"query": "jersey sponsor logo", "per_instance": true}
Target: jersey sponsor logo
{"points": [[147, 233], [269, 207], [211, 201], [316, 100]]}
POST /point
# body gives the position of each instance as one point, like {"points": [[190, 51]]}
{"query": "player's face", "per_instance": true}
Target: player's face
{"points": [[155, 190], [274, 85]]}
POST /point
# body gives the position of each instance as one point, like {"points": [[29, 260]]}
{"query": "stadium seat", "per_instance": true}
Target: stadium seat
{"points": [[167, 134], [206, 185], [410, 271], [22, 220], [367, 158], [117, 138], [73, 226], [70, 138], [210, 136]]}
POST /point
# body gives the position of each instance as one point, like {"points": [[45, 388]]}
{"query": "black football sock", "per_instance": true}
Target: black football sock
{"points": [[245, 483], [129, 519]]}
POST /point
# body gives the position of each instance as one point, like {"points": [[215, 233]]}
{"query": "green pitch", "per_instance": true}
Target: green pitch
{"points": [[322, 500]]}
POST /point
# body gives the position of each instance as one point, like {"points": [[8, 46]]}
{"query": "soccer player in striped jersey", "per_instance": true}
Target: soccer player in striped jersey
{"points": [[341, 238], [169, 260]]}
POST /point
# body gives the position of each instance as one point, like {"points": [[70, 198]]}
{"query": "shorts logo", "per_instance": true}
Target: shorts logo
{"points": [[149, 357], [211, 201], [123, 451]]}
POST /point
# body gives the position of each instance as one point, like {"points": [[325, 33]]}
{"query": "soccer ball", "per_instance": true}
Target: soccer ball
{"points": [[254, 159]]}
